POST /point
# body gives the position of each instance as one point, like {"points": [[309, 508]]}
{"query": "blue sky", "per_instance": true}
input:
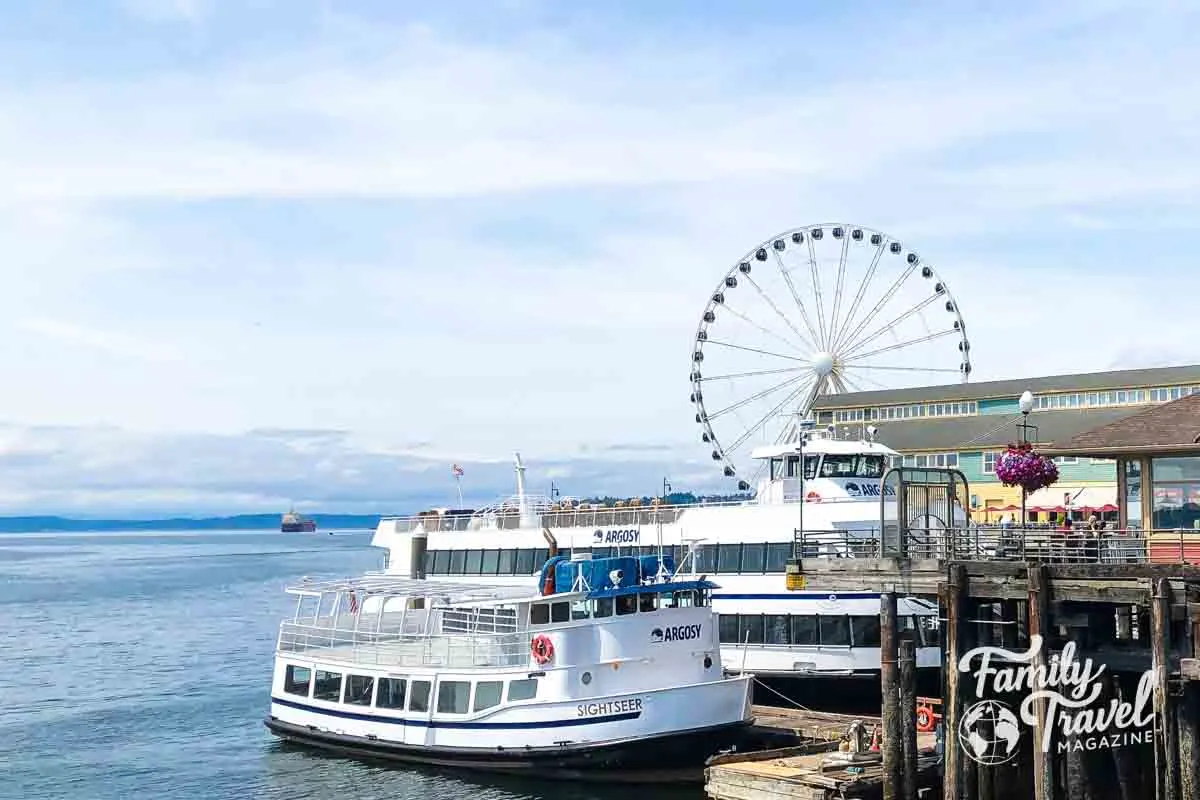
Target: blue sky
{"points": [[315, 251]]}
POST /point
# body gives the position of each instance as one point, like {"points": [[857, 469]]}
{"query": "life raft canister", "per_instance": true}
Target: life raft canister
{"points": [[542, 648]]}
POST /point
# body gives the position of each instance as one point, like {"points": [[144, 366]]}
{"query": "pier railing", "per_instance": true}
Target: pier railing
{"points": [[1029, 544]]}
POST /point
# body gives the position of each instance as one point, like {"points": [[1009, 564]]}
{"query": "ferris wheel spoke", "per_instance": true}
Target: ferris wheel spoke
{"points": [[860, 294], [854, 346], [879, 306], [789, 431], [904, 369], [862, 379], [758, 396], [758, 350], [757, 372], [900, 345], [806, 344], [839, 382], [766, 298], [763, 419], [837, 294], [787, 278], [816, 276]]}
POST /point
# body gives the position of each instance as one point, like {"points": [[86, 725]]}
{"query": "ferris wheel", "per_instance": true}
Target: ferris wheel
{"points": [[817, 310]]}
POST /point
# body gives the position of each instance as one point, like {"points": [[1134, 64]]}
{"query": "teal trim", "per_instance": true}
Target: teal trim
{"points": [[1000, 405], [971, 465]]}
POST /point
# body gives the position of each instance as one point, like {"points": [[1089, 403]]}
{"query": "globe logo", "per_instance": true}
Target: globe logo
{"points": [[989, 733]]}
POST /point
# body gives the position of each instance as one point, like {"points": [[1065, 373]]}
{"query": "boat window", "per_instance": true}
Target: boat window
{"points": [[601, 552], [754, 557], [428, 562], [580, 610], [454, 697], [525, 689], [871, 466], [441, 562], [626, 604], [391, 693], [296, 680], [835, 631], [706, 559], [474, 562], [751, 630], [491, 558], [702, 598], [487, 694], [864, 631], [508, 561], [566, 553], [524, 561], [458, 561], [727, 628], [777, 555], [560, 612], [327, 686], [418, 699], [776, 468], [358, 689], [729, 558], [602, 607], [540, 557], [647, 602], [853, 466], [682, 599], [539, 614], [804, 630], [776, 629]]}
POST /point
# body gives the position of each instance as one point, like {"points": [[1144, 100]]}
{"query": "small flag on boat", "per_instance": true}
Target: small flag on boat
{"points": [[458, 471], [353, 603]]}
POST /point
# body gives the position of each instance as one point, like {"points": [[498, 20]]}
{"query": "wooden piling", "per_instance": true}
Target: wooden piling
{"points": [[1166, 751], [953, 702], [908, 714], [893, 752], [1187, 718], [1039, 622]]}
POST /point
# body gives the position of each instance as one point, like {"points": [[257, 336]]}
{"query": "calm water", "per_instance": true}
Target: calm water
{"points": [[139, 666]]}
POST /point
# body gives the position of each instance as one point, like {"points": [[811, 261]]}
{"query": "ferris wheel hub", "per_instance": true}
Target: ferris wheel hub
{"points": [[822, 364]]}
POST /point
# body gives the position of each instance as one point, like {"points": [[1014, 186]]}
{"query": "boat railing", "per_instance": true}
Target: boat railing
{"points": [[399, 648], [1037, 544], [578, 517]]}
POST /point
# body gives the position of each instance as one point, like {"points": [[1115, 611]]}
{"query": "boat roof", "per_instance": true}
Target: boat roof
{"points": [[819, 446], [399, 586]]}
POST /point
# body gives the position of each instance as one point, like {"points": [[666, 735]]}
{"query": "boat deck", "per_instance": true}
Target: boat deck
{"points": [[439, 651]]}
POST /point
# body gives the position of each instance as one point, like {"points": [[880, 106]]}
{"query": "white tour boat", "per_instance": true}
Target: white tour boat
{"points": [[828, 488], [611, 665]]}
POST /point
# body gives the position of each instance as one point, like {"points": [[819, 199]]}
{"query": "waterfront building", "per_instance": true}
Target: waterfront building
{"points": [[967, 425]]}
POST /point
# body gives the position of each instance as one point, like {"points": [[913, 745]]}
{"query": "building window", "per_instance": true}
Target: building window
{"points": [[989, 462], [949, 460], [1066, 460]]}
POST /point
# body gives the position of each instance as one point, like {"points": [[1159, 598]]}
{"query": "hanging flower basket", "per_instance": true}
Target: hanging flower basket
{"points": [[1021, 466]]}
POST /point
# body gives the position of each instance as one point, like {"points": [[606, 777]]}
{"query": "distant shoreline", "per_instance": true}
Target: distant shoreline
{"points": [[238, 522]]}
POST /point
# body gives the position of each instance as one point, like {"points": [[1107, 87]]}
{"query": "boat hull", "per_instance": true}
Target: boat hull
{"points": [[298, 527], [671, 756]]}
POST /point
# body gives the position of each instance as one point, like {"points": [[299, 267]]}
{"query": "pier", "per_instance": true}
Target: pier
{"points": [[1086, 686]]}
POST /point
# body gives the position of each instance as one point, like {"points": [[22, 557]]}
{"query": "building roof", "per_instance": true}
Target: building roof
{"points": [[1012, 388], [990, 431], [1172, 428]]}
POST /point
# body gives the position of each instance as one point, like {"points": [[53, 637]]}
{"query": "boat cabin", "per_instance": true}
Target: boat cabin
{"points": [[823, 469]]}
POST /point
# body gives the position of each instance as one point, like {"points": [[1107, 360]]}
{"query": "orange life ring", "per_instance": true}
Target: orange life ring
{"points": [[542, 648], [813, 497], [925, 722]]}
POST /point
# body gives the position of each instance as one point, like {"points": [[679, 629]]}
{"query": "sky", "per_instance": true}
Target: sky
{"points": [[313, 252]]}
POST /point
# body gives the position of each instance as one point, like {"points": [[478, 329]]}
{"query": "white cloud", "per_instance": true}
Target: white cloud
{"points": [[450, 249]]}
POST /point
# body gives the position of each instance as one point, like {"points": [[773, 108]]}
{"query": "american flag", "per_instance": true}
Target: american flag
{"points": [[457, 470], [353, 603]]}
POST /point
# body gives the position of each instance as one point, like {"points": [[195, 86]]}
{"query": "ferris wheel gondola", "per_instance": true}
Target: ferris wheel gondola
{"points": [[818, 310]]}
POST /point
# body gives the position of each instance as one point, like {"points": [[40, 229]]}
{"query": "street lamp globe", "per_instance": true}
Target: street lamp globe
{"points": [[1026, 402]]}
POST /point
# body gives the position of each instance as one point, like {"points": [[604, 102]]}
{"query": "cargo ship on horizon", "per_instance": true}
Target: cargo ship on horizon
{"points": [[294, 522]]}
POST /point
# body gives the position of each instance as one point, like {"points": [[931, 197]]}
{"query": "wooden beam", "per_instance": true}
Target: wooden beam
{"points": [[1039, 625], [893, 746], [1166, 752], [956, 590], [908, 713]]}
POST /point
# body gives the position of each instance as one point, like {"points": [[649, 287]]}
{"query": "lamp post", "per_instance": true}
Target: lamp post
{"points": [[1025, 404], [666, 489], [806, 426]]}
